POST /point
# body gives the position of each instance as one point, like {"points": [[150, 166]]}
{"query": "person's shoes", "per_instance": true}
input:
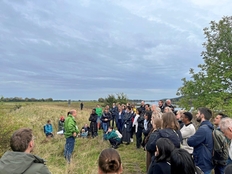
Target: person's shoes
{"points": [[131, 140], [127, 143]]}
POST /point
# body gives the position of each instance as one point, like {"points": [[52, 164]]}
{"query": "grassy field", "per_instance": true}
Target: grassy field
{"points": [[86, 152]]}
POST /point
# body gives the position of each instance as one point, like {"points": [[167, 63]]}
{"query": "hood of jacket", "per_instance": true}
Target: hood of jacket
{"points": [[17, 162], [207, 123]]}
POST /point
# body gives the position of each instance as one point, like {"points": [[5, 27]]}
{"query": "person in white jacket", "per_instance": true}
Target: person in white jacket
{"points": [[187, 130]]}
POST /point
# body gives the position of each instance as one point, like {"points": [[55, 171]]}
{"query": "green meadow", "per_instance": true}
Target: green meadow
{"points": [[86, 152]]}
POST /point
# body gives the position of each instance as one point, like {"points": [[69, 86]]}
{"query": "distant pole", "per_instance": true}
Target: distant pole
{"points": [[69, 103]]}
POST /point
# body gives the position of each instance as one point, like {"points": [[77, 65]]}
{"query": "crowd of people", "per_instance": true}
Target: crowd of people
{"points": [[172, 142]]}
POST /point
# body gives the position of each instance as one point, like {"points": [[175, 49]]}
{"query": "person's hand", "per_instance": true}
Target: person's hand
{"points": [[74, 134]]}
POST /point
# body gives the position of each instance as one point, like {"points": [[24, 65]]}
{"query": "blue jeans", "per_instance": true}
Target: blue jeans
{"points": [[68, 149], [104, 127]]}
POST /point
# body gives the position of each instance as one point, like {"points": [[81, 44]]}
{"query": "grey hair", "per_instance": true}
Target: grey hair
{"points": [[225, 123]]}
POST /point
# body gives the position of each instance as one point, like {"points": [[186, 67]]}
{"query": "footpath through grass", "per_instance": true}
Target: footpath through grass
{"points": [[86, 151]]}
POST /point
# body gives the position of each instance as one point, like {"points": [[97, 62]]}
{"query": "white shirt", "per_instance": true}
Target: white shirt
{"points": [[186, 132]]}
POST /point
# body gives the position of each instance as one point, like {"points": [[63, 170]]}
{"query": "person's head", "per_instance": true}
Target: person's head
{"points": [[62, 118], [106, 110], [164, 147], [153, 108], [182, 162], [179, 113], [147, 107], [110, 128], [169, 121], [156, 122], [73, 112], [226, 127], [167, 109], [128, 108], [203, 114], [147, 115], [168, 102], [218, 118], [142, 103], [157, 113], [186, 117], [94, 111], [22, 140], [138, 111], [109, 161], [49, 122], [160, 103]]}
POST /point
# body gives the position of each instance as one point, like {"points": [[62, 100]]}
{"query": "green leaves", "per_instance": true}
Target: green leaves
{"points": [[212, 85]]}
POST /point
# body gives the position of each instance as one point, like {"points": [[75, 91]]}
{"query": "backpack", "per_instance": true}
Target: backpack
{"points": [[220, 148], [118, 133]]}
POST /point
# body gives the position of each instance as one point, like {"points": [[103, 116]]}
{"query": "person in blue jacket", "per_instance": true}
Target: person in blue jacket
{"points": [[48, 129], [202, 141]]}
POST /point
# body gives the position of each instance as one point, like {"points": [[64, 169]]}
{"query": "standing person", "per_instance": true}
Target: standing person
{"points": [[142, 106], [202, 141], [179, 114], [156, 124], [106, 117], [138, 131], [127, 126], [161, 105], [99, 113], [219, 168], [71, 131], [187, 130], [182, 162], [147, 127], [114, 113], [93, 123], [81, 105], [48, 129], [226, 127], [119, 118], [21, 160], [161, 163], [168, 103], [109, 161]]}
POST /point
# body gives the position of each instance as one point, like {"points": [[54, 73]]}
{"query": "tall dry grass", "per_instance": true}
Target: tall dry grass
{"points": [[86, 151]]}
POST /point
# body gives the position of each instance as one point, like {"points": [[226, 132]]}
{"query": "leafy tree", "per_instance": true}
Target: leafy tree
{"points": [[212, 85], [121, 98]]}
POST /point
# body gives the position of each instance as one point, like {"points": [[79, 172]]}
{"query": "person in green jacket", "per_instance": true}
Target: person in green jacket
{"points": [[99, 113], [113, 137], [20, 160], [70, 133]]}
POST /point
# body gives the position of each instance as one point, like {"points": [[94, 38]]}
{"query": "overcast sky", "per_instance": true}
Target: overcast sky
{"points": [[84, 50]]}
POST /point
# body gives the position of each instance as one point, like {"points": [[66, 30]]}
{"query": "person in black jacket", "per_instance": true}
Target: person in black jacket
{"points": [[127, 126], [93, 123], [106, 117], [161, 162]]}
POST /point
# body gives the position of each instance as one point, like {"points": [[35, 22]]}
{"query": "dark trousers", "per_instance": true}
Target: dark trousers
{"points": [[219, 169], [120, 125], [114, 142], [139, 137]]}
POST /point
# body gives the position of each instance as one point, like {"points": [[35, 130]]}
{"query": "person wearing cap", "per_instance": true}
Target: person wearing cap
{"points": [[187, 130]]}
